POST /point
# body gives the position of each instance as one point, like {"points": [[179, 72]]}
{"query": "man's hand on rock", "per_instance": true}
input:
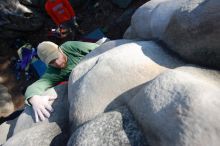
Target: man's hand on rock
{"points": [[41, 106]]}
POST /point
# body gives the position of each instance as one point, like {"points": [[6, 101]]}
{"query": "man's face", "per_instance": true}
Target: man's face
{"points": [[60, 62]]}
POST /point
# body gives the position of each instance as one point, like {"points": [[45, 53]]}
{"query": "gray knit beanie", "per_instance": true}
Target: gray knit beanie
{"points": [[48, 51]]}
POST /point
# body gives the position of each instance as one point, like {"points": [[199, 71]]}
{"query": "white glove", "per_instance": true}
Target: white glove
{"points": [[41, 106]]}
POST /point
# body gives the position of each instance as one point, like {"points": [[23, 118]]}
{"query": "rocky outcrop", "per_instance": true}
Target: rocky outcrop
{"points": [[42, 134], [60, 107], [151, 19], [179, 107], [164, 105], [53, 131], [193, 32], [187, 27], [6, 130], [113, 128], [17, 19], [129, 92], [106, 76]]}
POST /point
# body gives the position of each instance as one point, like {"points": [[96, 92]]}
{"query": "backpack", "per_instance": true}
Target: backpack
{"points": [[27, 54]]}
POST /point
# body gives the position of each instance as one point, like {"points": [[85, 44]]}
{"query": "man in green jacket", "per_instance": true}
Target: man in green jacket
{"points": [[60, 60]]}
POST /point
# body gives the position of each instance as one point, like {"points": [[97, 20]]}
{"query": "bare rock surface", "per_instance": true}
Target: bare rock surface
{"points": [[188, 27], [113, 128], [179, 107], [96, 82], [30, 133]]}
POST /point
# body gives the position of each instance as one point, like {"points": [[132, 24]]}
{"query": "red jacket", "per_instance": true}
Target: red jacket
{"points": [[59, 10]]}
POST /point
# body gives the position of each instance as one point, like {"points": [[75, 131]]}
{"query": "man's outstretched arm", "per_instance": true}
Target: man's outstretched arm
{"points": [[39, 102]]}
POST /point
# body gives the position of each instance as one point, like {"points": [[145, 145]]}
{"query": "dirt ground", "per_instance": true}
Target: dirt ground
{"points": [[111, 19]]}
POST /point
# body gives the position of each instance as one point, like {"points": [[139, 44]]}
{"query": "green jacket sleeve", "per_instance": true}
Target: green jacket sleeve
{"points": [[48, 80]]}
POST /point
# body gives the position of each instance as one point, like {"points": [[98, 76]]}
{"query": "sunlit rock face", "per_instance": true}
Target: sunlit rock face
{"points": [[179, 107], [15, 19], [188, 27], [103, 76], [127, 93]]}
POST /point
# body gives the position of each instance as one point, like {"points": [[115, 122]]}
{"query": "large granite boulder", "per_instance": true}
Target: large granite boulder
{"points": [[115, 128], [188, 27], [98, 80], [193, 32], [151, 19], [6, 129], [179, 108], [39, 135], [15, 19], [129, 93], [56, 126]]}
